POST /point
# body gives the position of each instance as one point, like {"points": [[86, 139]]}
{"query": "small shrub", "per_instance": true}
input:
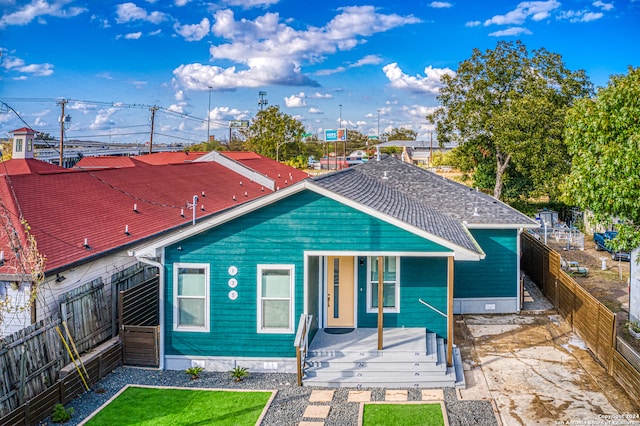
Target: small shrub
{"points": [[61, 414], [239, 373], [634, 325], [194, 372]]}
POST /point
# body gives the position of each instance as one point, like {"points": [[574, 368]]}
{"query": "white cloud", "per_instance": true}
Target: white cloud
{"points": [[133, 36], [194, 32], [40, 9], [267, 51], [181, 3], [103, 119], [313, 110], [180, 96], [604, 6], [330, 71], [430, 83], [513, 31], [440, 4], [128, 12], [295, 101], [179, 107], [367, 60], [574, 16], [535, 10], [319, 95], [247, 4], [13, 63], [473, 24]]}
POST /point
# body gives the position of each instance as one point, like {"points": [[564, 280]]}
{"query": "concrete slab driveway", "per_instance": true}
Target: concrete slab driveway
{"points": [[538, 372]]}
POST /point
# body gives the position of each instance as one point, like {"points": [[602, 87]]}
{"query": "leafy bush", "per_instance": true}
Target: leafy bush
{"points": [[239, 373], [194, 372], [61, 414]]}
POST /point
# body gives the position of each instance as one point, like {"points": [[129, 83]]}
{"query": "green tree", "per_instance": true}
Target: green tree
{"points": [[509, 105], [603, 137], [273, 132], [212, 145], [401, 134]]}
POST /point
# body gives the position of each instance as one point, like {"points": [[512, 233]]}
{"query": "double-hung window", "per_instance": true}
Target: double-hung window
{"points": [[391, 284], [275, 298], [191, 297]]}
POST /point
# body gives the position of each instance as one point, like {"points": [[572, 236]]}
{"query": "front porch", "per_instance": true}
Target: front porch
{"points": [[411, 357]]}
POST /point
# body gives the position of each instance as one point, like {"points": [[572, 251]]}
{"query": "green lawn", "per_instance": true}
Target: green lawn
{"points": [[402, 415], [161, 406]]}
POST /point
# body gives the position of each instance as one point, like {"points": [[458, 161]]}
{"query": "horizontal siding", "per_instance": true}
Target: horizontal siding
{"points": [[420, 278], [497, 274], [275, 234]]}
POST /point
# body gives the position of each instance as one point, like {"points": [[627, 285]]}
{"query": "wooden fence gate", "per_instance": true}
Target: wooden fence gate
{"points": [[139, 318]]}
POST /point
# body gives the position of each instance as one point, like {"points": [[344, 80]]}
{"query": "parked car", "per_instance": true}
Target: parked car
{"points": [[601, 238]]}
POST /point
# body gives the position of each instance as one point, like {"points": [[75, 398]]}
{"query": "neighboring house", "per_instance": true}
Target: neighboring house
{"points": [[84, 220], [234, 285], [418, 152]]}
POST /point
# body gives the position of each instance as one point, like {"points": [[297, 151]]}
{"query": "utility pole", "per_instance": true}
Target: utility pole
{"points": [[62, 123], [153, 110], [430, 148]]}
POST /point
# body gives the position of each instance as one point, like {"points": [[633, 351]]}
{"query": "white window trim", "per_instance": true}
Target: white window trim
{"points": [[370, 308], [176, 326], [292, 271]]}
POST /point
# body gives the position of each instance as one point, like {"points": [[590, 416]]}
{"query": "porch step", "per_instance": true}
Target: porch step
{"points": [[415, 365]]}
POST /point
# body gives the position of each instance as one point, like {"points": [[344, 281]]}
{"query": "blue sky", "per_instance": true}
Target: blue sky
{"points": [[373, 64]]}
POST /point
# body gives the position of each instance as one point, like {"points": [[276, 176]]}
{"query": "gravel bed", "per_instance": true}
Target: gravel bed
{"points": [[540, 302], [286, 409]]}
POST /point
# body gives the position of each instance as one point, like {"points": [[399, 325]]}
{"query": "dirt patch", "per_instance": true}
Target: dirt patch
{"points": [[537, 371]]}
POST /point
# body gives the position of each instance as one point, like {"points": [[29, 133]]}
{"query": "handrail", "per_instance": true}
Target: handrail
{"points": [[302, 344], [431, 307]]}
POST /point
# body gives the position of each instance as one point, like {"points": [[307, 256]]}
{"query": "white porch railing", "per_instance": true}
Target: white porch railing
{"points": [[302, 344]]}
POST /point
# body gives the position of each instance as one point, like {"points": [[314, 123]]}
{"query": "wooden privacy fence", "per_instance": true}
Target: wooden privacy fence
{"points": [[589, 319], [63, 390], [138, 311], [31, 359]]}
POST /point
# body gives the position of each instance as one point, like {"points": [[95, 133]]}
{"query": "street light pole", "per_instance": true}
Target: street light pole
{"points": [[209, 116]]}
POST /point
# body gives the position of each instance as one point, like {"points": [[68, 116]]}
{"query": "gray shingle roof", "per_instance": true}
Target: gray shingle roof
{"points": [[423, 199]]}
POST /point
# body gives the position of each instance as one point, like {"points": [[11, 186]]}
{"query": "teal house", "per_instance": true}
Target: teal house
{"points": [[372, 253]]}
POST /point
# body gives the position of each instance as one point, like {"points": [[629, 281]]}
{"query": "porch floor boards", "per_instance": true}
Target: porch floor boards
{"points": [[366, 339]]}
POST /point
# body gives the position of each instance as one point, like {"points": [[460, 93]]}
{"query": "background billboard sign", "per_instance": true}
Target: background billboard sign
{"points": [[335, 135], [239, 123]]}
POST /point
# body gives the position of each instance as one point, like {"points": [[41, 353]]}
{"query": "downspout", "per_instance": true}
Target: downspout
{"points": [[518, 272], [160, 267]]}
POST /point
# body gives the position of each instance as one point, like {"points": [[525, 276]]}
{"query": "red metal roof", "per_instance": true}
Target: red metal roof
{"points": [[177, 157], [64, 208], [282, 174], [106, 162]]}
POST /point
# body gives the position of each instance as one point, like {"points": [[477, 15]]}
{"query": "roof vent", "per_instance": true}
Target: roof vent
{"points": [[1, 257], [240, 183], [246, 194], [86, 244], [385, 176], [126, 230], [475, 211], [135, 208], [262, 188], [234, 198], [182, 212], [202, 207], [203, 194]]}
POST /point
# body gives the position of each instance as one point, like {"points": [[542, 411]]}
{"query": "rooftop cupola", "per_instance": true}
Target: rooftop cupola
{"points": [[22, 143]]}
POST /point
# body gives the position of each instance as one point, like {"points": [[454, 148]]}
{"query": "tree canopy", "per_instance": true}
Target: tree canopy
{"points": [[273, 133], [603, 137], [401, 134], [505, 108]]}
